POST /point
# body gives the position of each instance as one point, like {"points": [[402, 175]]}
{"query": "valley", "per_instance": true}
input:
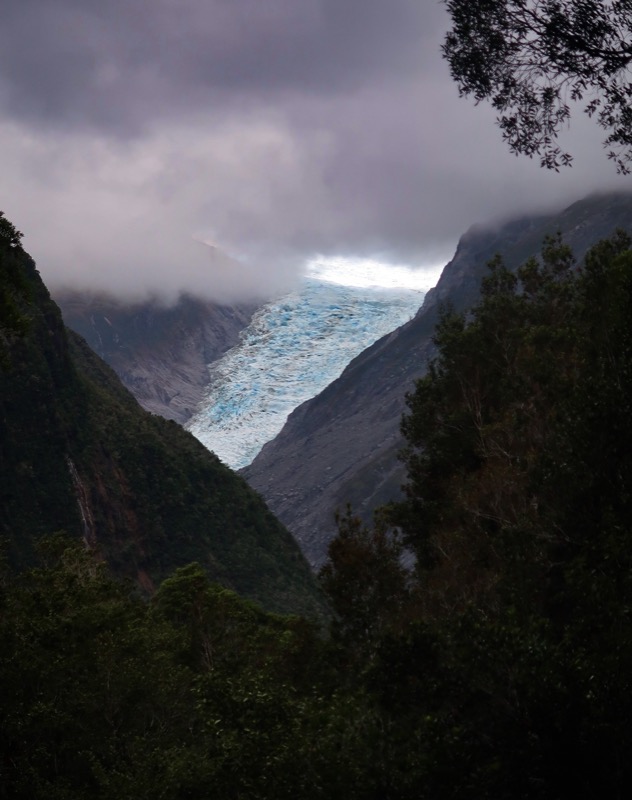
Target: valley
{"points": [[305, 394], [80, 458], [496, 653], [316, 400]]}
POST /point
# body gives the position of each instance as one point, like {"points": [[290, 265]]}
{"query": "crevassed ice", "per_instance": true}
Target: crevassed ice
{"points": [[295, 346]]}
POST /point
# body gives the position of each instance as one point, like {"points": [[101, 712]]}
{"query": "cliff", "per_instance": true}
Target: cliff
{"points": [[160, 352]]}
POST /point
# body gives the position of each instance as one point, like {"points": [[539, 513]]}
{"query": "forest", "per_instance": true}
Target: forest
{"points": [[480, 642], [78, 454]]}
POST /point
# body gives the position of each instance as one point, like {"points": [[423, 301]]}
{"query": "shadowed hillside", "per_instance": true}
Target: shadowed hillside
{"points": [[78, 453]]}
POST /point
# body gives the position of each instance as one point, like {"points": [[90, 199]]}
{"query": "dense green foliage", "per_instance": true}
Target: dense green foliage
{"points": [[13, 287], [11, 235], [482, 640], [77, 453], [533, 61], [198, 694], [506, 671]]}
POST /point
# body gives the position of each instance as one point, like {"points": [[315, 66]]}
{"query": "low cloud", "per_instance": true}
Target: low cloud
{"points": [[136, 134]]}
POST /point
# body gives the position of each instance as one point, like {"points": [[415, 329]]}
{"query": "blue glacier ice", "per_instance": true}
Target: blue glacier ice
{"points": [[295, 346]]}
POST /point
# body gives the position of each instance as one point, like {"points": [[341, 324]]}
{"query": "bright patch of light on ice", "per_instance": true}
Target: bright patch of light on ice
{"points": [[297, 345], [369, 273]]}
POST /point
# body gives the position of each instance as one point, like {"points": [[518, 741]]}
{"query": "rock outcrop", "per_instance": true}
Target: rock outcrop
{"points": [[161, 353]]}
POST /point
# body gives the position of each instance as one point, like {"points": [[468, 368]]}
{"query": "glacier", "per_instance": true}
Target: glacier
{"points": [[296, 345]]}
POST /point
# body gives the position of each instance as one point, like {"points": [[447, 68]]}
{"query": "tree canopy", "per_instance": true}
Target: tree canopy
{"points": [[535, 60], [9, 233], [500, 662]]}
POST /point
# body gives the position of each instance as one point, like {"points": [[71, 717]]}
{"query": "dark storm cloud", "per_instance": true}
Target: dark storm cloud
{"points": [[275, 129], [122, 64]]}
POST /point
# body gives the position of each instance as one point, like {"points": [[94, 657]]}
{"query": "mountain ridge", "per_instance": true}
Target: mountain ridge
{"points": [[160, 352], [341, 446], [77, 453]]}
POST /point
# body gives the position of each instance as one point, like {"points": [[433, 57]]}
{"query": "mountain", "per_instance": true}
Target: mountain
{"points": [[77, 453], [342, 445], [160, 352]]}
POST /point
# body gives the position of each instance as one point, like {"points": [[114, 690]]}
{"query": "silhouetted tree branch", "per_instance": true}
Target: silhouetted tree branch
{"points": [[532, 60]]}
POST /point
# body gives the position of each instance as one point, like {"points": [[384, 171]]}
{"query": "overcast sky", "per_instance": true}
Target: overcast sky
{"points": [[131, 131]]}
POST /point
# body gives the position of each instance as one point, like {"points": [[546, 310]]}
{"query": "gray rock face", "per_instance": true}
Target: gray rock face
{"points": [[160, 353], [342, 445]]}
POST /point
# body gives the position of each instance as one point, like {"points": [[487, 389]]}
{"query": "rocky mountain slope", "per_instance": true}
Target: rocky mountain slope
{"points": [[160, 352], [77, 453], [342, 445]]}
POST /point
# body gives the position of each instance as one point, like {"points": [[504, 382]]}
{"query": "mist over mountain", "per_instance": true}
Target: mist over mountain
{"points": [[270, 132], [342, 445], [160, 352], [79, 455]]}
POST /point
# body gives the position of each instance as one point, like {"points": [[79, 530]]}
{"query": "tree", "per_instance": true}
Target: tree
{"points": [[479, 424], [199, 693], [9, 233], [533, 60], [366, 583], [13, 285], [518, 509], [500, 667]]}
